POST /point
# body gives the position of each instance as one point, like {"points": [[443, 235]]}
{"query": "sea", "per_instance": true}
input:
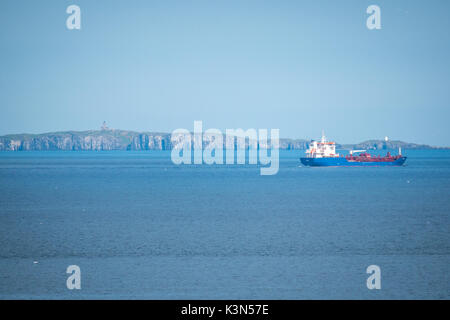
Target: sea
{"points": [[140, 227]]}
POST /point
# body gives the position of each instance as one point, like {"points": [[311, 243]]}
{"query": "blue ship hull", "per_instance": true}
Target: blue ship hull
{"points": [[340, 161]]}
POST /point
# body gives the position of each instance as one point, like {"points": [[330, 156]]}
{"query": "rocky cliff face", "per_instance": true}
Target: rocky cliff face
{"points": [[105, 140], [86, 140], [60, 141], [130, 140], [381, 144], [150, 141]]}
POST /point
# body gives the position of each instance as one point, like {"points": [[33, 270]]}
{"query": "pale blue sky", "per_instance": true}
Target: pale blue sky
{"points": [[300, 66]]}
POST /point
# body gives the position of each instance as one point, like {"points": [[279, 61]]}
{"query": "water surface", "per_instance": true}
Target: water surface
{"points": [[140, 227]]}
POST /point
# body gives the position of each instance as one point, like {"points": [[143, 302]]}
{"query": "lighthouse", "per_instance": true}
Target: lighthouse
{"points": [[104, 127]]}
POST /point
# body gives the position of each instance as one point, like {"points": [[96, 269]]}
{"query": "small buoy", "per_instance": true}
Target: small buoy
{"points": [[35, 262]]}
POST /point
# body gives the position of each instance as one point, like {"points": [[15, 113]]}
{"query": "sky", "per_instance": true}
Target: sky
{"points": [[298, 66]]}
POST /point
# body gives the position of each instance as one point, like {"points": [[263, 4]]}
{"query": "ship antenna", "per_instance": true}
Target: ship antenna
{"points": [[323, 136]]}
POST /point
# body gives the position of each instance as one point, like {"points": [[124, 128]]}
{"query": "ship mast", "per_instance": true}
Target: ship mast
{"points": [[324, 139]]}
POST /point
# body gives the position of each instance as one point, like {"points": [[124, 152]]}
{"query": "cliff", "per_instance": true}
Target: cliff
{"points": [[86, 140], [112, 139], [381, 144]]}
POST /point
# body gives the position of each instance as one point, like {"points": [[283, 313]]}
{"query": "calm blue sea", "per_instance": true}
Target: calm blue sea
{"points": [[140, 227]]}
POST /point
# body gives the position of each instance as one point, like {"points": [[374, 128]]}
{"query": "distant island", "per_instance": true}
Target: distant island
{"points": [[114, 139]]}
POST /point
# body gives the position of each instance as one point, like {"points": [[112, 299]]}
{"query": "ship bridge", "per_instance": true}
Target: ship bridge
{"points": [[322, 149]]}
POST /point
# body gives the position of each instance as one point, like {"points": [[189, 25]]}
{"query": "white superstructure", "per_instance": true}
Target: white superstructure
{"points": [[322, 149]]}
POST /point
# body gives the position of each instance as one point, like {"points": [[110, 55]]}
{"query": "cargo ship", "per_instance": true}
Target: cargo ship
{"points": [[323, 154]]}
